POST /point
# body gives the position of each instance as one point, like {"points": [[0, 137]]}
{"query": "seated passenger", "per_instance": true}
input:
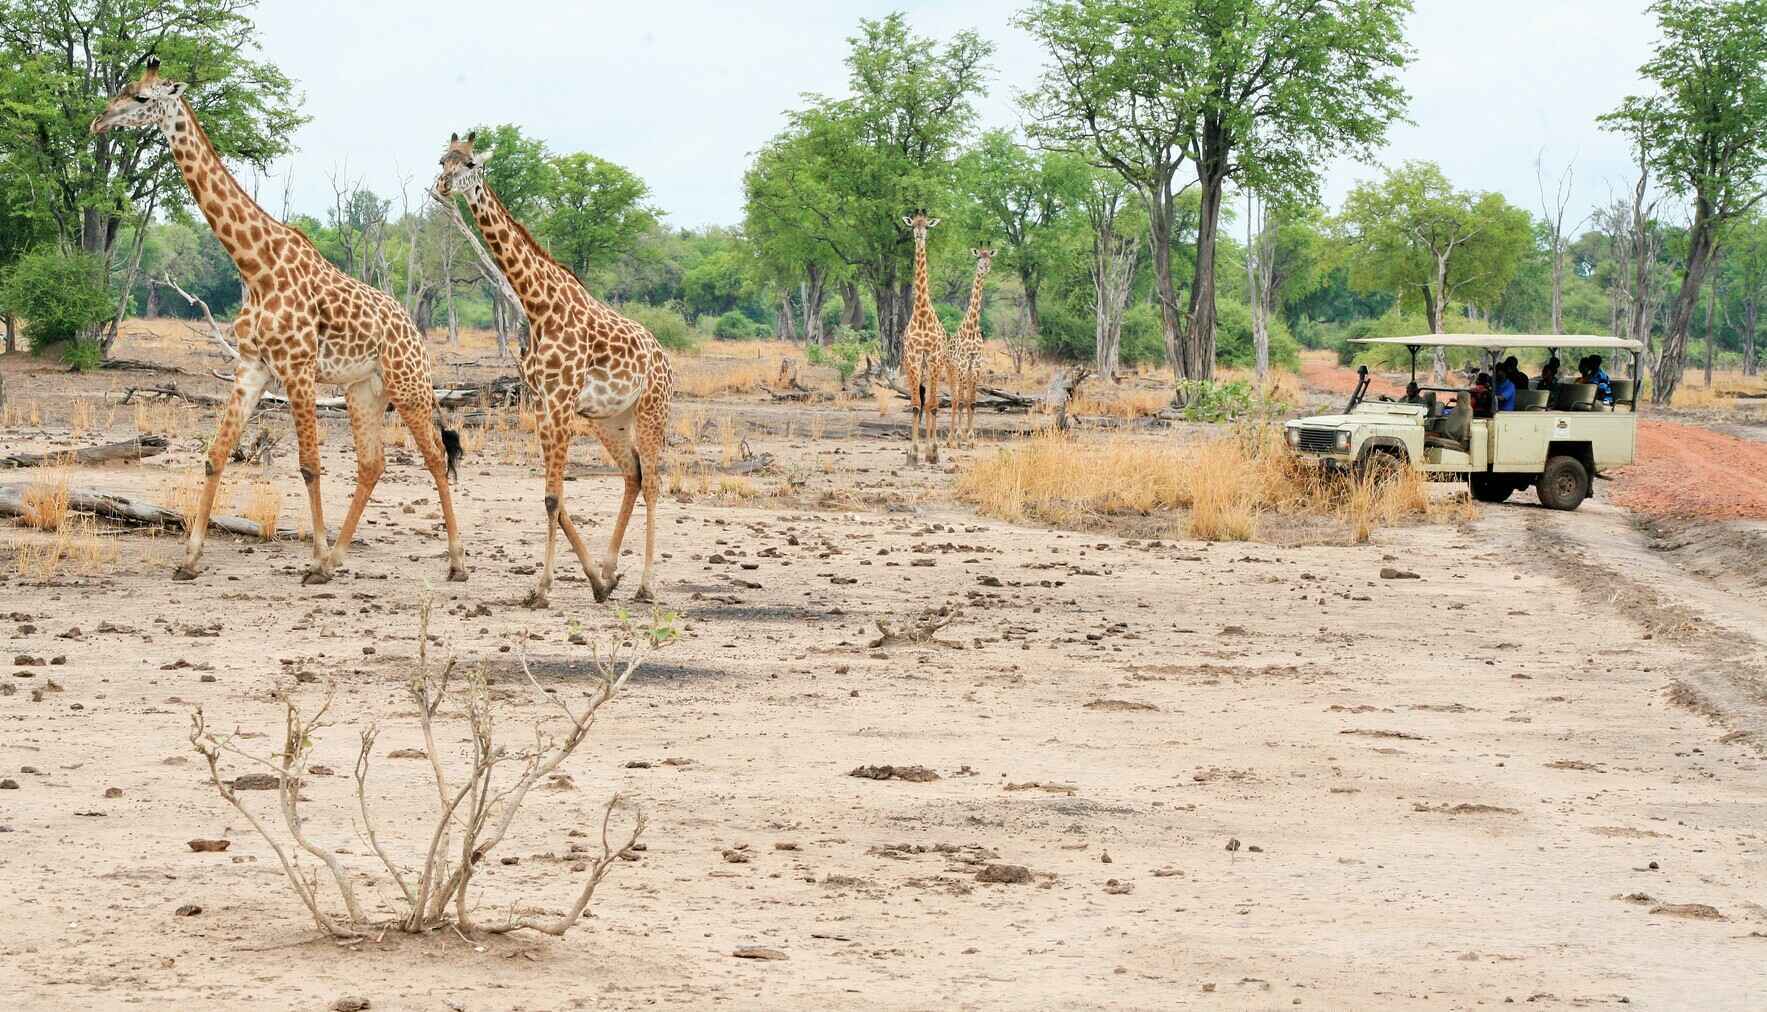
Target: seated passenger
{"points": [[1548, 375], [1513, 370], [1505, 391], [1593, 373], [1412, 396], [1481, 396]]}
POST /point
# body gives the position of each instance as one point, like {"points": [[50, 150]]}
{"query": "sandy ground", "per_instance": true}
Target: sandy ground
{"points": [[1269, 777]]}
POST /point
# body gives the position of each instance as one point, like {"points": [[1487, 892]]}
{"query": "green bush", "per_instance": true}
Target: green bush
{"points": [[1212, 401], [1233, 339], [670, 328], [950, 316], [733, 326], [843, 353], [83, 356], [59, 295], [1064, 333], [1144, 337]]}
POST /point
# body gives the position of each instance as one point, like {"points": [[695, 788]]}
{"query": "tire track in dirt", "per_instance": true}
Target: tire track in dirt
{"points": [[1686, 472]]}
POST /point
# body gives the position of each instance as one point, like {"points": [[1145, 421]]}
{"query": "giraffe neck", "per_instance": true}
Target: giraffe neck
{"points": [[973, 318], [923, 299], [515, 254], [237, 221]]}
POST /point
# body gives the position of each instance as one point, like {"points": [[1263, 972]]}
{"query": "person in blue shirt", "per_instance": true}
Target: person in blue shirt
{"points": [[1505, 387], [1593, 373]]}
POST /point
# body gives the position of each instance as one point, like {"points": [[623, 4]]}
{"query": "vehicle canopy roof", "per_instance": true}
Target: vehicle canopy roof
{"points": [[1500, 342]]}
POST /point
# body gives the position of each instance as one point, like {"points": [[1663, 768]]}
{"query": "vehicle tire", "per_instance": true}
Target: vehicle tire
{"points": [[1491, 487], [1381, 464], [1564, 484]]}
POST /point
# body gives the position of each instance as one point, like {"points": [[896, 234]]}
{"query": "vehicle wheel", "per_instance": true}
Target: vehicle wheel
{"points": [[1491, 487], [1564, 484], [1381, 465]]}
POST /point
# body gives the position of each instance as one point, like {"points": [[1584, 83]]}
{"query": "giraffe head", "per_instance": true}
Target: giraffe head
{"points": [[462, 168], [984, 261], [918, 223], [146, 102]]}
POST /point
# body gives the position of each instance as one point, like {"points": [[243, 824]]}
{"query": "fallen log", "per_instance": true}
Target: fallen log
{"points": [[116, 506], [128, 449], [995, 400], [170, 391]]}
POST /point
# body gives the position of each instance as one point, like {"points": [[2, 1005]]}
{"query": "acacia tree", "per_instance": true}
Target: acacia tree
{"points": [[1259, 92], [1705, 134], [1414, 234], [781, 217], [1552, 209], [1016, 198], [1282, 256], [596, 212]]}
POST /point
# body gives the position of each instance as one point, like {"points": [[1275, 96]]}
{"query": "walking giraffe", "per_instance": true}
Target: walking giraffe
{"points": [[582, 359], [964, 355], [923, 349], [304, 322]]}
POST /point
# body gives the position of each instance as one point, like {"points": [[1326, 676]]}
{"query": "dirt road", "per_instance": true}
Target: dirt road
{"points": [[1311, 786], [1690, 472]]}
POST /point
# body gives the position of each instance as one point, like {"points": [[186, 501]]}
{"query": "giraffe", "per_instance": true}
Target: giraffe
{"points": [[583, 359], [304, 322], [923, 349], [963, 353]]}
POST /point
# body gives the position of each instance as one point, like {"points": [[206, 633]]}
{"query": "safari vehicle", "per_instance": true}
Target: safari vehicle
{"points": [[1556, 440]]}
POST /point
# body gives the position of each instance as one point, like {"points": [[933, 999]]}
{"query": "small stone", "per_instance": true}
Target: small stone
{"points": [[1233, 844], [350, 1003], [256, 782], [758, 952], [209, 846], [113, 792], [1389, 573], [1005, 874], [8, 784], [187, 910]]}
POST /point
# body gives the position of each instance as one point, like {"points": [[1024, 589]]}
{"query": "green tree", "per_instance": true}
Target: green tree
{"points": [[597, 212], [1705, 134], [1016, 201], [782, 217], [1745, 270], [65, 58], [60, 293], [1260, 92], [857, 164], [1413, 234]]}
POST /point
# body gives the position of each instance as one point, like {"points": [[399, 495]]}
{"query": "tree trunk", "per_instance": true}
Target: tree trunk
{"points": [[892, 318], [1749, 366], [1699, 257], [1032, 324], [151, 311], [1211, 177], [815, 295], [1159, 233], [11, 332], [787, 329], [1711, 304], [852, 306]]}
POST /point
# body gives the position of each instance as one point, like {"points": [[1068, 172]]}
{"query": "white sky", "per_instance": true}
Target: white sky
{"points": [[683, 92]]}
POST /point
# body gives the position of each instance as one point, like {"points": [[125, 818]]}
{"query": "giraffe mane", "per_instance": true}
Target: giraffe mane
{"points": [[203, 135]]}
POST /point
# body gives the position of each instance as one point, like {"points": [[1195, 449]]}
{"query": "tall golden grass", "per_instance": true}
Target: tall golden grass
{"points": [[1217, 489], [77, 544], [46, 501]]}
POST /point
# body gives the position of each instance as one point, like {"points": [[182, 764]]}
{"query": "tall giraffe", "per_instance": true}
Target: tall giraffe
{"points": [[583, 359], [964, 354], [304, 322], [923, 349]]}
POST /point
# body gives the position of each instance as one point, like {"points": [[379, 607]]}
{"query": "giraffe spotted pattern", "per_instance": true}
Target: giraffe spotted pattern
{"points": [[304, 322], [923, 349]]}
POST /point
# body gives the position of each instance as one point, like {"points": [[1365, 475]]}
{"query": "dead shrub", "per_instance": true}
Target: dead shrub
{"points": [[473, 813]]}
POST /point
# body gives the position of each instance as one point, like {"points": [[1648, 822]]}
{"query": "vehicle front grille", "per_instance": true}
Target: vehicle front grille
{"points": [[1316, 440]]}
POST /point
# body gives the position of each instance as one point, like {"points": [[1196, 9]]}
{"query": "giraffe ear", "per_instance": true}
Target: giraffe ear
{"points": [[932, 223], [906, 220], [176, 89], [975, 252]]}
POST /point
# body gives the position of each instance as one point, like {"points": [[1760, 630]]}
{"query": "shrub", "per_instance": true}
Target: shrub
{"points": [[670, 328], [1233, 339], [84, 356], [843, 353], [1211, 401], [59, 295], [1144, 337], [733, 326]]}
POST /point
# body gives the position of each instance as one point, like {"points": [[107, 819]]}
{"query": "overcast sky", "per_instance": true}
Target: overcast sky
{"points": [[683, 92]]}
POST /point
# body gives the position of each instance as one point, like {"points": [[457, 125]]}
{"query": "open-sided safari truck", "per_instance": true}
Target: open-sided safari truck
{"points": [[1557, 439]]}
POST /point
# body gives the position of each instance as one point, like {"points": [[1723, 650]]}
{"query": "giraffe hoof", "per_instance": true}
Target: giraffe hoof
{"points": [[643, 596], [456, 574], [606, 590], [183, 573], [315, 576], [535, 599]]}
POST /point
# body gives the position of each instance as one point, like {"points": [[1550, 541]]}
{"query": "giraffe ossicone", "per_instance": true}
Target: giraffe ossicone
{"points": [[303, 322]]}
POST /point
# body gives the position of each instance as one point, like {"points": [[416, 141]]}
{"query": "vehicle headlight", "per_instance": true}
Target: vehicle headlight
{"points": [[1292, 434], [1342, 440]]}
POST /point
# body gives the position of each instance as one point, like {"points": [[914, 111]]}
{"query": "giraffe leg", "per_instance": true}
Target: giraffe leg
{"points": [[302, 397], [653, 427], [956, 385], [367, 402], [969, 409], [616, 438], [418, 414], [912, 375], [932, 413], [248, 386]]}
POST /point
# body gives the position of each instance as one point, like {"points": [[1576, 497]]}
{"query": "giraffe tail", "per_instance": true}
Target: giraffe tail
{"points": [[451, 444]]}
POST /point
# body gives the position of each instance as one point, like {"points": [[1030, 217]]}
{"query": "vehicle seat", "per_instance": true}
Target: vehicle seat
{"points": [[1578, 397], [1532, 400], [1454, 430], [1623, 394], [1429, 407]]}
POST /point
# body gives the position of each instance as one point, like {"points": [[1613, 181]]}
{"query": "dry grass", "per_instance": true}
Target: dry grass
{"points": [[1727, 386], [264, 508], [82, 416], [20, 414], [709, 377], [1224, 486], [1111, 400], [77, 545], [182, 493], [46, 501]]}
